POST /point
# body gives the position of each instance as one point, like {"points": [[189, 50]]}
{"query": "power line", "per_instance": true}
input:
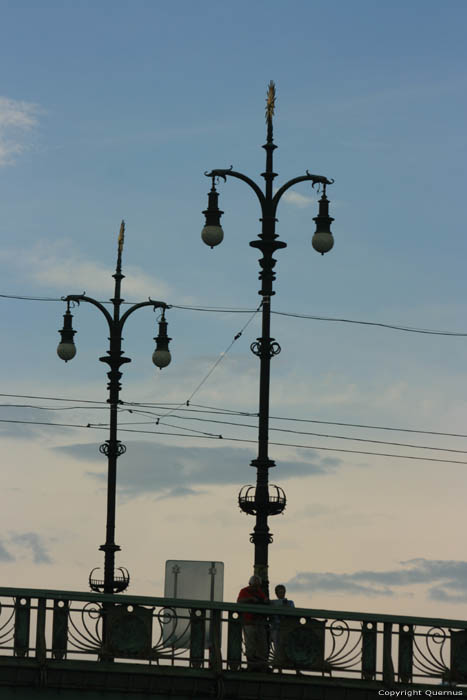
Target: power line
{"points": [[52, 398], [201, 408], [218, 361], [242, 440], [407, 329], [311, 317], [299, 432], [160, 421], [216, 411]]}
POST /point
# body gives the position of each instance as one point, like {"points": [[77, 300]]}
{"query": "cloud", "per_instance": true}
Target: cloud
{"points": [[5, 554], [16, 119], [297, 199], [26, 430], [449, 576], [34, 543], [165, 471], [179, 492], [57, 265]]}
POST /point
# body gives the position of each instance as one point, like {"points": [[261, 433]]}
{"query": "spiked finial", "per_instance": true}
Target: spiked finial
{"points": [[270, 100], [121, 236]]}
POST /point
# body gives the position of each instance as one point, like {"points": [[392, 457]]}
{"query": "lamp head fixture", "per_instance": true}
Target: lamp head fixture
{"points": [[66, 349], [212, 233], [323, 240], [161, 355]]}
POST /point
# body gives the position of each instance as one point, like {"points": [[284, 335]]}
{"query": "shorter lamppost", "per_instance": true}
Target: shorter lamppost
{"points": [[113, 448], [265, 499]]}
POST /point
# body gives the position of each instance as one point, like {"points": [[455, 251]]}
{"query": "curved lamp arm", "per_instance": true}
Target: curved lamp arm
{"points": [[315, 179], [239, 176], [82, 297], [154, 304]]}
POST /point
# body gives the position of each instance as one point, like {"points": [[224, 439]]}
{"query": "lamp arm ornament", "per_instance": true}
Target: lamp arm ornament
{"points": [[78, 298], [233, 173], [151, 302], [314, 179]]}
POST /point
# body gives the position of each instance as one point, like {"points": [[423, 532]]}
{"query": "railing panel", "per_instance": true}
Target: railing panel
{"points": [[129, 632], [54, 626]]}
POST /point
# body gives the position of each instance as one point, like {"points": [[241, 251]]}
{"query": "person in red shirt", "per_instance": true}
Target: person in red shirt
{"points": [[254, 626]]}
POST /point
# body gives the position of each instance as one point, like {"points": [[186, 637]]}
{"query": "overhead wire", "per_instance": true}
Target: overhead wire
{"points": [[302, 432], [202, 408], [241, 440], [312, 317], [218, 361], [160, 421]]}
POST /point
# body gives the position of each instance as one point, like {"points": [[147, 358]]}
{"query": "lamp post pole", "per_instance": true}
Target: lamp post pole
{"points": [[113, 448], [260, 501]]}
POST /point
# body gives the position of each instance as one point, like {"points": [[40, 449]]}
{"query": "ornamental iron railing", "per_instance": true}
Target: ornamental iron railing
{"points": [[52, 626]]}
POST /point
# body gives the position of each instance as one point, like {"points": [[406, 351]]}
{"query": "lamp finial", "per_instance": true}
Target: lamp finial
{"points": [[121, 236], [270, 100]]}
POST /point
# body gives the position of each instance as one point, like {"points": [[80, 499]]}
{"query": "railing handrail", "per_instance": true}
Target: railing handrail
{"points": [[233, 607]]}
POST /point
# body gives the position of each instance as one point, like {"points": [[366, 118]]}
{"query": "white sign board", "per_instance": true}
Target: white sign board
{"points": [[195, 580]]}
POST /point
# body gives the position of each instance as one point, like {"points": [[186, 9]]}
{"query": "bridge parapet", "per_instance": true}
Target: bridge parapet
{"points": [[43, 631]]}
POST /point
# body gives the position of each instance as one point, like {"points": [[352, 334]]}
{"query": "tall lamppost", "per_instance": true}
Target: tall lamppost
{"points": [[113, 448], [259, 500]]}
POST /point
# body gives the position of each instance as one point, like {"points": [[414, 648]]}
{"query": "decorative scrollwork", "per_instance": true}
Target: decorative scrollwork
{"points": [[7, 626], [174, 631], [256, 348], [106, 449], [85, 635], [119, 583], [344, 653], [270, 538], [319, 179], [273, 348], [430, 661]]}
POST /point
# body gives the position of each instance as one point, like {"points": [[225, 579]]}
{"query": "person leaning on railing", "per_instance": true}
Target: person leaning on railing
{"points": [[254, 626], [281, 601]]}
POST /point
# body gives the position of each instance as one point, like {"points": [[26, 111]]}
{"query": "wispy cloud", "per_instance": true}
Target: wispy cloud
{"points": [[449, 579], [5, 555], [297, 199], [14, 427], [34, 543], [59, 266], [169, 472], [17, 118]]}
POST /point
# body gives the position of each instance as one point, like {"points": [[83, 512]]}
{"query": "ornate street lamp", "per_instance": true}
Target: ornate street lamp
{"points": [[113, 448], [259, 501]]}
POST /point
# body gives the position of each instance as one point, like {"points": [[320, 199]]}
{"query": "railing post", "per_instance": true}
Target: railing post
{"points": [[215, 655], [41, 646], [22, 625], [388, 666], [234, 641], [405, 662], [197, 636], [60, 629], [369, 631]]}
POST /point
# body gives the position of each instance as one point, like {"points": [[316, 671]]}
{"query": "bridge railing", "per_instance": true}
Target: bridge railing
{"points": [[53, 626]]}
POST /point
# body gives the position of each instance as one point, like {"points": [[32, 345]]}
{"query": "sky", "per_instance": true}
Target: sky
{"points": [[114, 110]]}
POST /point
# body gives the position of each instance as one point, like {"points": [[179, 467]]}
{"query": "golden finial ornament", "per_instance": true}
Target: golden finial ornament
{"points": [[270, 100], [121, 236]]}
